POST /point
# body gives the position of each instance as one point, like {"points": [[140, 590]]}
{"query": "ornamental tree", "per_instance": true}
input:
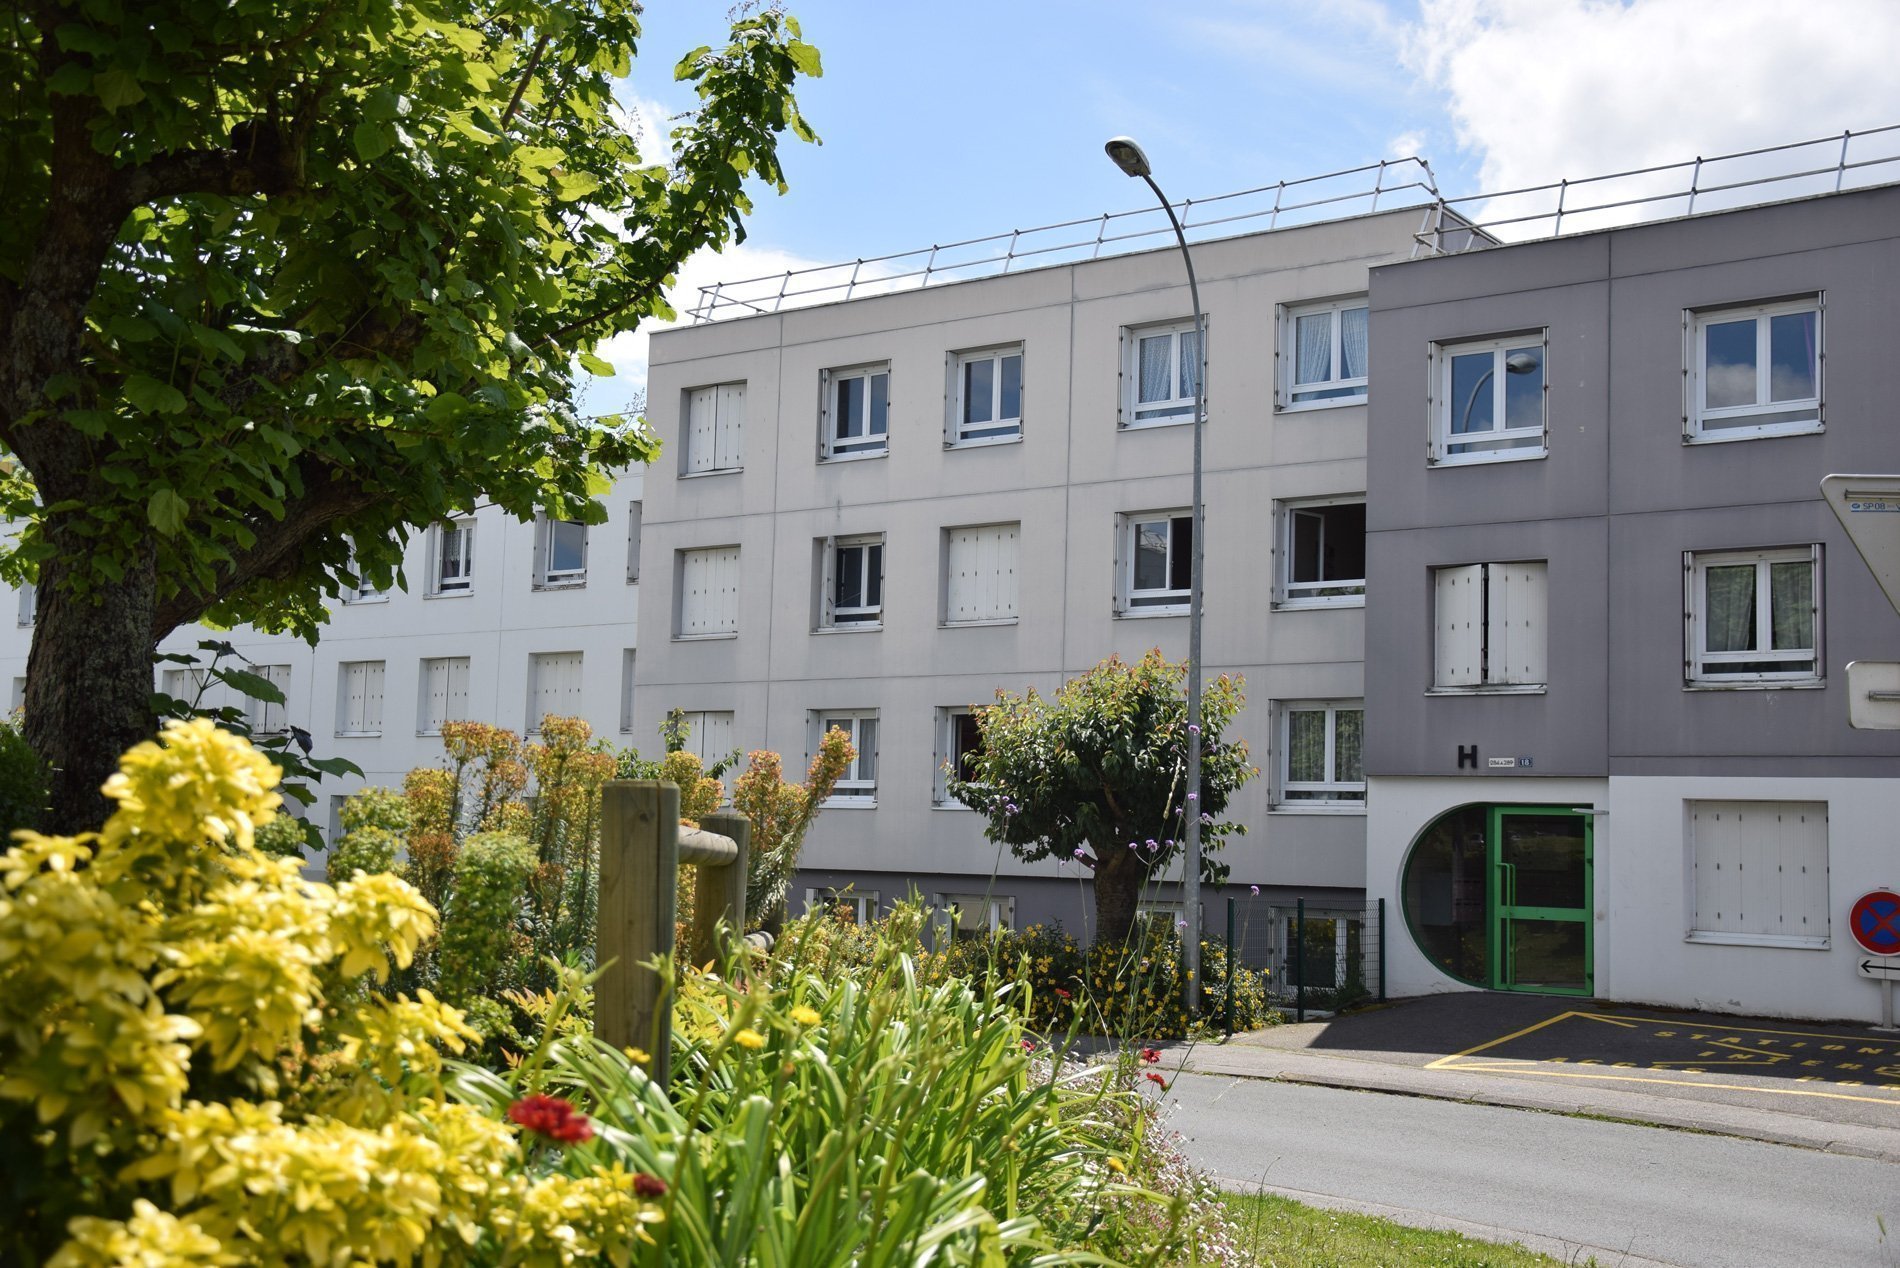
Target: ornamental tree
{"points": [[1097, 776], [277, 276]]}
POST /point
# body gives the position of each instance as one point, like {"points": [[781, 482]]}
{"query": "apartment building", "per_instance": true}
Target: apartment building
{"points": [[494, 620], [1608, 744], [874, 514]]}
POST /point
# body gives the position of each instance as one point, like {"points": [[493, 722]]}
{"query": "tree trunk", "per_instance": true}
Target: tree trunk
{"points": [[88, 682], [1119, 876]]}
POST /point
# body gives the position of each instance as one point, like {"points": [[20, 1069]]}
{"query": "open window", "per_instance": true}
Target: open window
{"points": [[1323, 552]]}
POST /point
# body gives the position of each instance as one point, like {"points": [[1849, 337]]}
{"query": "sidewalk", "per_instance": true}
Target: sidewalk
{"points": [[1820, 1086]]}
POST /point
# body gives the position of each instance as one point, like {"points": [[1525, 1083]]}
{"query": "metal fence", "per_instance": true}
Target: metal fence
{"points": [[1319, 955]]}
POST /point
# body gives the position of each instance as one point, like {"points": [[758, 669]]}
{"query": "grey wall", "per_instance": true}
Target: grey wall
{"points": [[1620, 496]]}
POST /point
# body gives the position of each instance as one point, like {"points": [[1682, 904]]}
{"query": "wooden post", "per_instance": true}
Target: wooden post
{"points": [[720, 892], [639, 903]]}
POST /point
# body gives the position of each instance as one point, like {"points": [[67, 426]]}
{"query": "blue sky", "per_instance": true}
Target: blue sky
{"points": [[946, 122]]}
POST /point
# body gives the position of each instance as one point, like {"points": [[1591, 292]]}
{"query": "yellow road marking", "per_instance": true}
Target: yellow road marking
{"points": [[1751, 1030], [1522, 1067], [1614, 1021], [1515, 1034]]}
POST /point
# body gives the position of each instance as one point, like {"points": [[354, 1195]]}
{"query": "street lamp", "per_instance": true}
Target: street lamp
{"points": [[1127, 155]]}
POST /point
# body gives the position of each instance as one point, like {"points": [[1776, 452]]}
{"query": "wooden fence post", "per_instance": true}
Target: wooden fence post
{"points": [[720, 892], [639, 904]]}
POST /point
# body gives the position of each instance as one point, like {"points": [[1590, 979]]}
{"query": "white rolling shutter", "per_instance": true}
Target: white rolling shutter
{"points": [[980, 573], [709, 591], [1517, 637], [1458, 626]]}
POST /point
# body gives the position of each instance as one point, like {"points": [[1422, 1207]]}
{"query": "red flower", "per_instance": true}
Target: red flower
{"points": [[1064, 994], [1154, 1078], [648, 1185], [552, 1117], [1151, 1055]]}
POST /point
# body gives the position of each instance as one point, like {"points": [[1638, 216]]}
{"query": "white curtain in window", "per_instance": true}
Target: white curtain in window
{"points": [[1791, 590], [1349, 746], [1190, 361], [1154, 368], [1306, 746], [1352, 343], [1731, 603], [1315, 348]]}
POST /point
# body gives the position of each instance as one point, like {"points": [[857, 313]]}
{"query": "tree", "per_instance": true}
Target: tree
{"points": [[282, 276], [1097, 775]]}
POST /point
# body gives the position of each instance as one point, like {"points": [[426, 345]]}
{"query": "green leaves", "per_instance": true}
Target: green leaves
{"points": [[147, 395], [594, 365], [165, 510], [372, 140]]}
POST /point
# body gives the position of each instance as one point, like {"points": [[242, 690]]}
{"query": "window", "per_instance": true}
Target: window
{"points": [[1754, 617], [708, 592], [554, 687], [267, 717], [1490, 626], [979, 574], [1753, 371], [1323, 553], [1758, 872], [363, 590], [1157, 564], [193, 686], [17, 701], [988, 397], [1322, 750], [633, 541], [29, 603], [959, 744], [858, 786], [626, 690], [715, 426], [708, 734], [1490, 402], [1159, 368], [359, 705], [336, 819], [560, 553], [856, 413], [852, 582], [452, 557], [1323, 354], [853, 904], [970, 917], [444, 694]]}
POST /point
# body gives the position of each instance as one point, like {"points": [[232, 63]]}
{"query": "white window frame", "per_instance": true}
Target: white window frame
{"points": [[1351, 391], [1174, 409], [1167, 601], [946, 755], [1000, 429], [870, 554], [682, 567], [442, 582], [868, 444], [1697, 414], [1351, 591], [821, 899], [727, 435], [425, 724], [1333, 793], [1713, 817], [852, 788], [546, 576], [998, 914], [1519, 443], [268, 718], [17, 701], [1697, 660], [364, 590], [1492, 623], [374, 672]]}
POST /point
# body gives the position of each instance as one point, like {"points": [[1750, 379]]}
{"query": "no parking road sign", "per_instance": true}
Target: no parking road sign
{"points": [[1875, 922]]}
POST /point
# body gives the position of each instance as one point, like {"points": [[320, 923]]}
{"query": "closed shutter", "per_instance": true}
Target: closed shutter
{"points": [[1458, 626], [555, 687], [702, 408], [362, 697], [981, 583], [1517, 624], [267, 717], [634, 514], [444, 691], [711, 734], [709, 591], [729, 427], [1761, 869]]}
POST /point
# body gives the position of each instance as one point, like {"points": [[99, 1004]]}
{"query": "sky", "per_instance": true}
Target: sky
{"points": [[946, 122]]}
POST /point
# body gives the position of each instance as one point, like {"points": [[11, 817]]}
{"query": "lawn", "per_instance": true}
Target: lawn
{"points": [[1281, 1233]]}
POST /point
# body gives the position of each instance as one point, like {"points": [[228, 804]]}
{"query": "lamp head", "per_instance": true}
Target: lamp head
{"points": [[1521, 363], [1128, 156]]}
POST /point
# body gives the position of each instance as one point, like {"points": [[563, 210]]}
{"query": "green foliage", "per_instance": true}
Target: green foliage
{"points": [[1097, 775], [367, 849], [382, 808], [491, 872], [283, 837], [780, 814], [22, 781]]}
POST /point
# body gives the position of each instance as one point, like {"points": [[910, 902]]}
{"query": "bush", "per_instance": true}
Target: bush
{"points": [[22, 781]]}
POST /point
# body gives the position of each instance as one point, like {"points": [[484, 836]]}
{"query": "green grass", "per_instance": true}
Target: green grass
{"points": [[1281, 1233]]}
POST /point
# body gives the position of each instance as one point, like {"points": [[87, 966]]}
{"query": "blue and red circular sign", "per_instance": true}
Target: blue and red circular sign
{"points": [[1875, 922]]}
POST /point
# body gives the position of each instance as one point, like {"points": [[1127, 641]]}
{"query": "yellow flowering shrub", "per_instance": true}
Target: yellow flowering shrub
{"points": [[194, 1071]]}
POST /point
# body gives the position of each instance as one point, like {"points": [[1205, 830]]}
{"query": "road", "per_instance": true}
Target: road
{"points": [[1567, 1186]]}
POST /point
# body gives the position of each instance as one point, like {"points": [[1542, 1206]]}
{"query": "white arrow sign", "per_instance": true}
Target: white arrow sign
{"points": [[1882, 968]]}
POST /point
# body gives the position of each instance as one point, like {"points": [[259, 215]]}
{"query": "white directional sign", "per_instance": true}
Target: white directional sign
{"points": [[1882, 968], [1868, 507], [1873, 695]]}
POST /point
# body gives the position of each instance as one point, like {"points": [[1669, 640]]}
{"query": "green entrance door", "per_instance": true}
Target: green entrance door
{"points": [[1540, 900]]}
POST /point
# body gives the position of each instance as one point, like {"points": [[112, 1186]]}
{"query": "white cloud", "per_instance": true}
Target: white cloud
{"points": [[1543, 89]]}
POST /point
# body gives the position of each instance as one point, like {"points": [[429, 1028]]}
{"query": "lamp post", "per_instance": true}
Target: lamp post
{"points": [[1128, 156]]}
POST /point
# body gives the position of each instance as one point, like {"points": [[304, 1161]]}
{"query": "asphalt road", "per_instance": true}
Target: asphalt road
{"points": [[1566, 1186]]}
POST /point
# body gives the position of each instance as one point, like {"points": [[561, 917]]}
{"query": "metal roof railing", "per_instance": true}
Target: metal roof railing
{"points": [[1283, 203], [1823, 165]]}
